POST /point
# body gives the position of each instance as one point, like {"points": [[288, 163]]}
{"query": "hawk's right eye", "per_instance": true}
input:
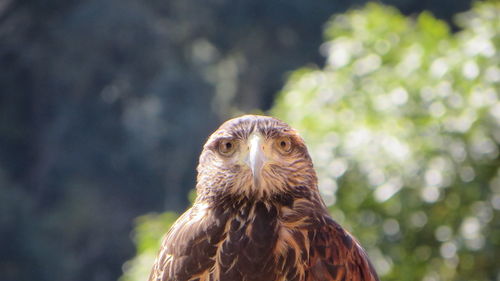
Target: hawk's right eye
{"points": [[227, 147]]}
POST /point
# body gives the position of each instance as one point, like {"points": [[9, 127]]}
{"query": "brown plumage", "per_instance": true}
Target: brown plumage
{"points": [[258, 215]]}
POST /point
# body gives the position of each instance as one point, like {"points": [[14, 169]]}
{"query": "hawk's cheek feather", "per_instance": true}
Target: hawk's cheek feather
{"points": [[276, 231]]}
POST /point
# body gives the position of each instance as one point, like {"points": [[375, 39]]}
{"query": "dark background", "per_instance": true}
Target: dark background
{"points": [[104, 106]]}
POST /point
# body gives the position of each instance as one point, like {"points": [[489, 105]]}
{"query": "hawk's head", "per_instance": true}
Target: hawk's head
{"points": [[254, 156]]}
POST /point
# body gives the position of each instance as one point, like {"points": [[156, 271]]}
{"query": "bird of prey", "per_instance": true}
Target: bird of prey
{"points": [[258, 215]]}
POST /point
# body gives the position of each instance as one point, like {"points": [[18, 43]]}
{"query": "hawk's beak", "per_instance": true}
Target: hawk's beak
{"points": [[256, 157]]}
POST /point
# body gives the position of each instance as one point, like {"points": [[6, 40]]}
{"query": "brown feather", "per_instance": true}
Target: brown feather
{"points": [[279, 230]]}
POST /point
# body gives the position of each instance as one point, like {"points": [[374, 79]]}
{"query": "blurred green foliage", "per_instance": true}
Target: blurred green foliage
{"points": [[403, 124]]}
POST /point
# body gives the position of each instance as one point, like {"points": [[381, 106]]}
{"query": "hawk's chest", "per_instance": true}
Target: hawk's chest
{"points": [[256, 246]]}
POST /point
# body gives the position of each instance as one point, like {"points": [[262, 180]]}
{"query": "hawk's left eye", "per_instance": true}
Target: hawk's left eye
{"points": [[227, 147], [284, 144]]}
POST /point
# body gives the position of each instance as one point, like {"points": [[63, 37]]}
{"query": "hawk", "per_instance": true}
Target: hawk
{"points": [[258, 215]]}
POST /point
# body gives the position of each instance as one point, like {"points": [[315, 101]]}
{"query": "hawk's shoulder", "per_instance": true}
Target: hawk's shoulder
{"points": [[188, 245], [335, 254]]}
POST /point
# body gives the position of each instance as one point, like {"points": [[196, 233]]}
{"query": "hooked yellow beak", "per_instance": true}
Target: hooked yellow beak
{"points": [[256, 157]]}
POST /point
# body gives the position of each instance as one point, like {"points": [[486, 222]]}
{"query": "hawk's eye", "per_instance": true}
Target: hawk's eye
{"points": [[227, 147], [284, 144]]}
